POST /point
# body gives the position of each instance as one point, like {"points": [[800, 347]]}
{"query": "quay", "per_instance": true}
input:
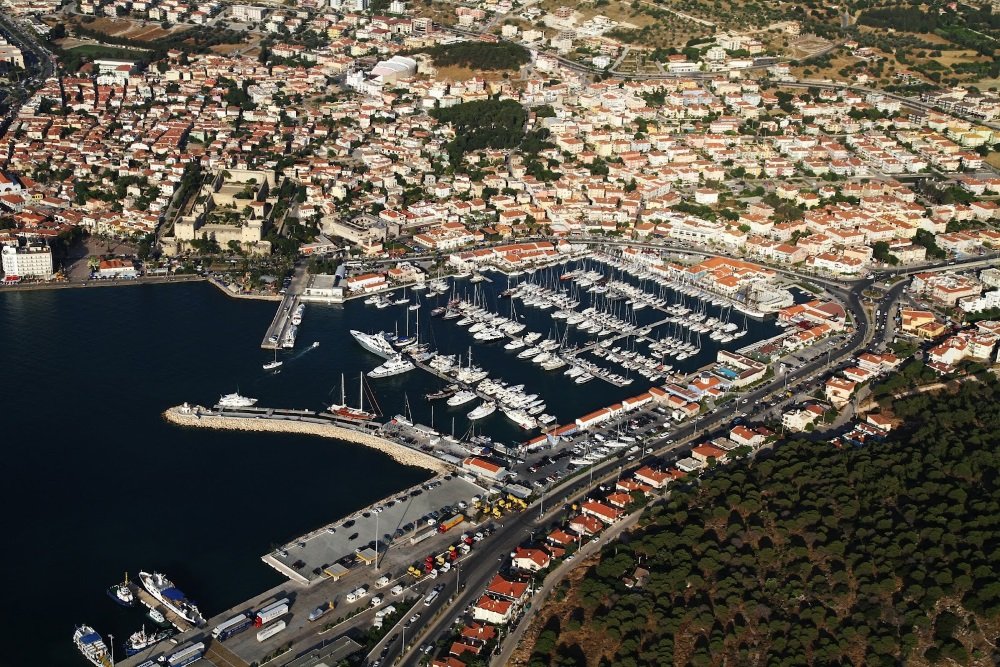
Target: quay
{"points": [[306, 422], [275, 333], [144, 597]]}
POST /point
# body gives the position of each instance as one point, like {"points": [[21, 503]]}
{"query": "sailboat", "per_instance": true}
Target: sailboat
{"points": [[273, 364], [345, 411]]}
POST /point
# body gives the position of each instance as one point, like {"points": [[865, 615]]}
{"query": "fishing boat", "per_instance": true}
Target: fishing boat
{"points": [[141, 640], [157, 617], [122, 593]]}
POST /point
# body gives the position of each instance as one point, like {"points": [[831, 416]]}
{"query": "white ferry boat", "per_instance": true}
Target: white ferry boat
{"points": [[395, 366], [374, 343], [92, 646], [234, 400], [164, 591]]}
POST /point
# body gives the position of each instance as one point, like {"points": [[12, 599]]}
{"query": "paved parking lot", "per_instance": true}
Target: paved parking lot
{"points": [[398, 519]]}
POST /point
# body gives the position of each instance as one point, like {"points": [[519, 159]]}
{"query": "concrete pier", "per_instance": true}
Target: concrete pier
{"points": [[299, 421]]}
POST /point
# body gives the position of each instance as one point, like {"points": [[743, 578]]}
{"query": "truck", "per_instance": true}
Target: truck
{"points": [[382, 582], [420, 537], [233, 626], [448, 524], [270, 631], [321, 610], [376, 600], [186, 655], [268, 614], [397, 589], [357, 594], [429, 600]]}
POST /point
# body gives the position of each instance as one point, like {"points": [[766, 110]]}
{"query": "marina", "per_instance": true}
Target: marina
{"points": [[494, 363]]}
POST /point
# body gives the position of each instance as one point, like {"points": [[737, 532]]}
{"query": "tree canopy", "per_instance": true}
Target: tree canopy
{"points": [[882, 555], [480, 55]]}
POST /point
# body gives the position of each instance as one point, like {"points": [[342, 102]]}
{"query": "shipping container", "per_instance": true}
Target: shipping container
{"points": [[270, 631], [269, 614], [186, 655], [445, 526]]}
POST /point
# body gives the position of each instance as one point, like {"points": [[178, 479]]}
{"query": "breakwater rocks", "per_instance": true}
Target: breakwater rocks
{"points": [[194, 415]]}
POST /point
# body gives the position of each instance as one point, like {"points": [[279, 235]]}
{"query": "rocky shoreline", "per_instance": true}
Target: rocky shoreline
{"points": [[199, 417]]}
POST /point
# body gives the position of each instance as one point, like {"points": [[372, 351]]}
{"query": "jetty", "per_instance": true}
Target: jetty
{"points": [[307, 422], [172, 617]]}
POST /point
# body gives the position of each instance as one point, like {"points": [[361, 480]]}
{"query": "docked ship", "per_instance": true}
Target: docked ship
{"points": [[297, 315], [374, 343], [484, 410], [164, 591], [395, 366], [92, 646], [461, 398], [235, 401], [447, 392], [345, 411], [141, 640], [122, 593], [521, 418], [290, 334]]}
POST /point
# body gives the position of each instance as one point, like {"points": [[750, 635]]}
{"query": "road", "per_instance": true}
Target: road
{"points": [[40, 60]]}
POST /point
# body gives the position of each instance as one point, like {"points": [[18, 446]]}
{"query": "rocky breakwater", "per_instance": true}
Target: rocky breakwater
{"points": [[198, 416]]}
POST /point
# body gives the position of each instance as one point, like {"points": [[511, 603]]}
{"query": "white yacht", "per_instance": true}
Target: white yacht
{"points": [[484, 410], [374, 343], [234, 400], [521, 418], [395, 366], [461, 398]]}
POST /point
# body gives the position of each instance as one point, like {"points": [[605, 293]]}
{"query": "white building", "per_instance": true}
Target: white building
{"points": [[28, 262], [247, 13]]}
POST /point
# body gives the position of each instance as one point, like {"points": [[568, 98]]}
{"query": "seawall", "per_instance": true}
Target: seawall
{"points": [[200, 417]]}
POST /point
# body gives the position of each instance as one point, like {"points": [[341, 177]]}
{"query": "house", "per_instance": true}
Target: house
{"points": [[705, 453], [586, 525], [506, 589], [491, 610], [654, 478], [601, 511], [799, 420], [742, 435], [839, 391], [531, 560], [484, 468], [560, 537]]}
